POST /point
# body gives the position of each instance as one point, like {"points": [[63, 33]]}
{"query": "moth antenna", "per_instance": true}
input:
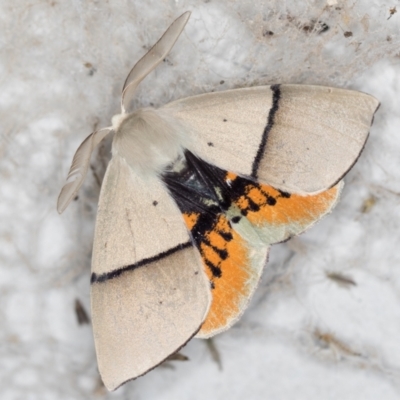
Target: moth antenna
{"points": [[79, 168], [152, 58]]}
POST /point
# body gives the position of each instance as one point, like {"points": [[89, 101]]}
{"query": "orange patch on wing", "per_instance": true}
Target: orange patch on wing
{"points": [[230, 290], [223, 250], [278, 208], [230, 176], [302, 209], [190, 219]]}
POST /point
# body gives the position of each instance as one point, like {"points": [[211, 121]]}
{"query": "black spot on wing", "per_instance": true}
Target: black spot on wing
{"points": [[283, 194], [215, 269], [253, 206], [227, 236]]}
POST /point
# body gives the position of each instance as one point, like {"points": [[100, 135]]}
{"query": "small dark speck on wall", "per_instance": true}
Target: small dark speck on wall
{"points": [[81, 313], [267, 32], [90, 67], [315, 27]]}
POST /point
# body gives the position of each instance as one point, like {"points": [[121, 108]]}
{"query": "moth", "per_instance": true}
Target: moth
{"points": [[194, 195]]}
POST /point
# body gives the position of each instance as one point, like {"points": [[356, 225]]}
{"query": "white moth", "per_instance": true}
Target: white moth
{"points": [[186, 213]]}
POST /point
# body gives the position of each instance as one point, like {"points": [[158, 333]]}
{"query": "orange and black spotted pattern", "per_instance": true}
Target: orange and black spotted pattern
{"points": [[267, 207], [226, 260], [206, 195]]}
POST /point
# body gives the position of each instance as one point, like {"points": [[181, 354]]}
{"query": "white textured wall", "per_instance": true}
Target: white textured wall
{"points": [[306, 335]]}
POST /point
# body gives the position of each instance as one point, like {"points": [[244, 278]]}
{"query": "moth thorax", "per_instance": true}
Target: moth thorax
{"points": [[148, 140]]}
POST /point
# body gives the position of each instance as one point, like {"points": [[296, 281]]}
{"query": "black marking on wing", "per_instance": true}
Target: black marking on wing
{"points": [[241, 187], [215, 269], [222, 253], [206, 222], [227, 236], [276, 90], [117, 272], [285, 195]]}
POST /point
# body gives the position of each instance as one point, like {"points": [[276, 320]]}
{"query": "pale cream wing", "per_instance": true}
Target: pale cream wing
{"points": [[150, 294], [297, 138]]}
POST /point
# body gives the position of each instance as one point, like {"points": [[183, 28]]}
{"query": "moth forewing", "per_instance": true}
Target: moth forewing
{"points": [[298, 138], [150, 294]]}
